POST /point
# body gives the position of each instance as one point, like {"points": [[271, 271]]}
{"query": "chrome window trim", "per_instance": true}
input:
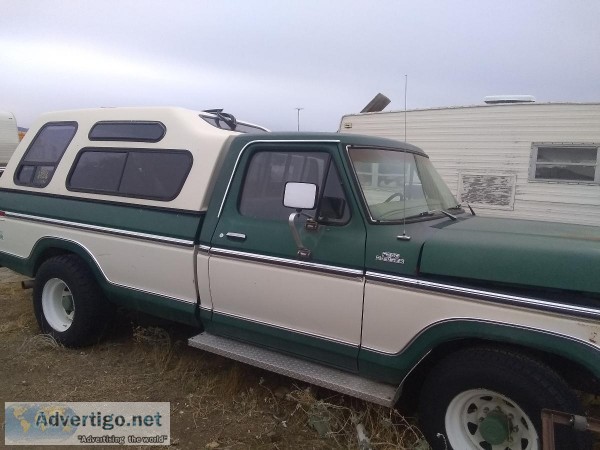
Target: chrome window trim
{"points": [[514, 300], [293, 330], [324, 268], [106, 230], [263, 141], [482, 321]]}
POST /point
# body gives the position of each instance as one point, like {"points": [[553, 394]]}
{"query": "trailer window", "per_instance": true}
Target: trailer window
{"points": [[44, 153], [574, 163]]}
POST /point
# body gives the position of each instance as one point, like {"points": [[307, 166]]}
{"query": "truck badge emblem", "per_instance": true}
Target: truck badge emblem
{"points": [[390, 257]]}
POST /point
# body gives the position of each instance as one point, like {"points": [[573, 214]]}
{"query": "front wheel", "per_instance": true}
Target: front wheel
{"points": [[68, 303], [491, 399]]}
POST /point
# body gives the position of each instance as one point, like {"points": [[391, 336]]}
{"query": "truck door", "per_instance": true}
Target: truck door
{"points": [[262, 289]]}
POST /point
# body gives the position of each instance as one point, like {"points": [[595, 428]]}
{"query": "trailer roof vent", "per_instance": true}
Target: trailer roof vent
{"points": [[498, 99]]}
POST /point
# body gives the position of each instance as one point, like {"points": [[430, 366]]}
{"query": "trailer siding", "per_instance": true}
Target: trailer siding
{"points": [[495, 143], [9, 137]]}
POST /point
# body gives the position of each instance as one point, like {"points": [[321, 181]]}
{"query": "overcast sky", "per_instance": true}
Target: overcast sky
{"points": [[260, 59]]}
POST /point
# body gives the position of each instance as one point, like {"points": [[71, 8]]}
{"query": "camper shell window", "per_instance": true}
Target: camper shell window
{"points": [[44, 153], [137, 173], [565, 162], [133, 131]]}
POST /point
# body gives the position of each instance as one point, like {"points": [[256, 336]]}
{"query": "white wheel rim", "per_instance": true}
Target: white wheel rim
{"points": [[58, 304], [468, 411]]}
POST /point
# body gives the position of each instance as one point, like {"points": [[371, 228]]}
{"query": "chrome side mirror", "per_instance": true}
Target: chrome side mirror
{"points": [[299, 196]]}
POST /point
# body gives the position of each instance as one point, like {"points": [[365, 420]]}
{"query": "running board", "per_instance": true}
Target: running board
{"points": [[300, 369]]}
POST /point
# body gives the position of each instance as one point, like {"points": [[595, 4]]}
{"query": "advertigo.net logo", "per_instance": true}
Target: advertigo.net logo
{"points": [[77, 423]]}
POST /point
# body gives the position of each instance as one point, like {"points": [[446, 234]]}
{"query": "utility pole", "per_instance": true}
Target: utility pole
{"points": [[298, 109]]}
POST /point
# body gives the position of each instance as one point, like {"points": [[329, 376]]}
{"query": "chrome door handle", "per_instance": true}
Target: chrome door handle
{"points": [[236, 236]]}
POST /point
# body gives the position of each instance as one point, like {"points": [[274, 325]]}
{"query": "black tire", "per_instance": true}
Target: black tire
{"points": [[456, 390], [72, 309]]}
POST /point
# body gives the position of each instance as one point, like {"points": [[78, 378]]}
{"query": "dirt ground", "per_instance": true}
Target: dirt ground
{"points": [[215, 402]]}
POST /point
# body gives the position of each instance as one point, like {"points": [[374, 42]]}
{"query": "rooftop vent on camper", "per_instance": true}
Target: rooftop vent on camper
{"points": [[498, 99]]}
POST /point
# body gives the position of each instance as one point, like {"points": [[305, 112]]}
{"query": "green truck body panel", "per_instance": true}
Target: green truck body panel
{"points": [[521, 252], [118, 216]]}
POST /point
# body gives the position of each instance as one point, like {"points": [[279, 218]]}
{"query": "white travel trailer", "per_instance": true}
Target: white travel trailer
{"points": [[9, 137], [525, 160]]}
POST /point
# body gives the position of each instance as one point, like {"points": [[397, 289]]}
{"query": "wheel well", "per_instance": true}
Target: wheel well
{"points": [[577, 376], [47, 254]]}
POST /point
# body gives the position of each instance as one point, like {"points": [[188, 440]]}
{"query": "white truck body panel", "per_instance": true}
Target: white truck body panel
{"points": [[289, 298], [124, 261], [383, 309]]}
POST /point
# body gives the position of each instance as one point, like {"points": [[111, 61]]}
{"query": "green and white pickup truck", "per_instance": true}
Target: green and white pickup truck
{"points": [[340, 260]]}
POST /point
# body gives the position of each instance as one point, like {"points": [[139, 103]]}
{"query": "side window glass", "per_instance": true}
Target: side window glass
{"points": [[43, 155], [267, 174], [98, 171], [158, 175]]}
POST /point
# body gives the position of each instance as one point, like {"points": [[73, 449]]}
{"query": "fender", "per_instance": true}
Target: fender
{"points": [[394, 368]]}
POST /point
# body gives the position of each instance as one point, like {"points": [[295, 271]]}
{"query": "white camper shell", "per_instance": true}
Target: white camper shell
{"points": [[525, 160], [9, 137]]}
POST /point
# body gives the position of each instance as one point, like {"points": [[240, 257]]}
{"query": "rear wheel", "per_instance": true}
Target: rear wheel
{"points": [[68, 303], [491, 399]]}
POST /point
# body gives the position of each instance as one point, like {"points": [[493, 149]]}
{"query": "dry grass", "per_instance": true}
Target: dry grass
{"points": [[41, 342], [360, 426], [21, 323], [156, 345]]}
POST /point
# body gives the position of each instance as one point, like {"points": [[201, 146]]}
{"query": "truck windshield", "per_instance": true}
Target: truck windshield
{"points": [[398, 185]]}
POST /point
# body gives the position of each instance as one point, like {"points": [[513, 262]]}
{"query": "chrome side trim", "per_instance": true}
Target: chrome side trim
{"points": [[205, 249], [263, 141], [114, 231], [292, 330], [354, 273], [506, 299], [484, 322]]}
